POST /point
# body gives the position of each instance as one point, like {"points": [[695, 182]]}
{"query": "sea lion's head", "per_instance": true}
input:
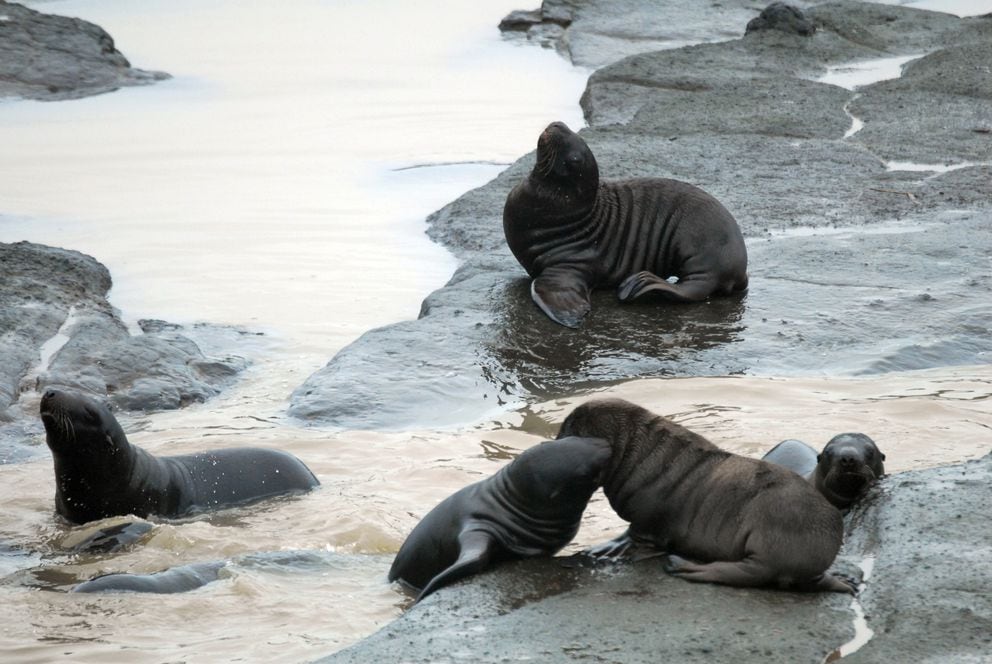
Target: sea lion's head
{"points": [[558, 476], [75, 424], [565, 163], [847, 466]]}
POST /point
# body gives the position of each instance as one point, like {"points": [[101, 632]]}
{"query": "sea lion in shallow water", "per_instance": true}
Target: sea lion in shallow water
{"points": [[848, 465], [720, 517], [98, 473], [573, 233], [531, 507], [174, 580]]}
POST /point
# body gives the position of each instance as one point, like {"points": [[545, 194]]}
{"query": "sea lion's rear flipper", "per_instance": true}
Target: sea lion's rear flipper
{"points": [[687, 290], [475, 552], [563, 294], [747, 573]]}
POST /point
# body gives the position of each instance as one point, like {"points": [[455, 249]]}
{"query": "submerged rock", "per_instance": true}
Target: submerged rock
{"points": [[928, 598], [60, 331], [840, 244], [49, 57]]}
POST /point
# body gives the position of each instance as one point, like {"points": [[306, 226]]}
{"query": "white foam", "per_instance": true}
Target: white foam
{"points": [[858, 74], [856, 123], [51, 347], [931, 168]]}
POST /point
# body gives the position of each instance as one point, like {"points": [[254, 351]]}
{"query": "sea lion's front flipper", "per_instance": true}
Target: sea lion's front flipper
{"points": [[475, 552], [563, 294]]}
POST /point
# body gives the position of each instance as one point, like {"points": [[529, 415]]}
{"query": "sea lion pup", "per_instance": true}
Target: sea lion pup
{"points": [[175, 580], [746, 522], [531, 507], [573, 232], [98, 473], [848, 465]]}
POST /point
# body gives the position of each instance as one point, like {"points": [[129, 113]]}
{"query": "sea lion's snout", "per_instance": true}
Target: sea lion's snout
{"points": [[49, 402]]}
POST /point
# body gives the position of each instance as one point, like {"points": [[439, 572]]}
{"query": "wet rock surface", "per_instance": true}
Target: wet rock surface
{"points": [[927, 599], [844, 247], [59, 330], [49, 57]]}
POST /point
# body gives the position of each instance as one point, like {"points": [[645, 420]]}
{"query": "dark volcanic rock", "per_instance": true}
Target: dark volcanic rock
{"points": [[928, 598], [842, 250], [58, 330], [784, 17], [48, 57]]}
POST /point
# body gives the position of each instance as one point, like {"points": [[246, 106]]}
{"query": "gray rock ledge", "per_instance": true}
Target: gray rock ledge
{"points": [[59, 330], [928, 598], [843, 249], [49, 57]]}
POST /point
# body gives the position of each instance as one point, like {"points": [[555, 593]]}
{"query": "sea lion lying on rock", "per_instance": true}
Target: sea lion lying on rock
{"points": [[848, 465], [720, 517], [531, 507], [573, 232]]}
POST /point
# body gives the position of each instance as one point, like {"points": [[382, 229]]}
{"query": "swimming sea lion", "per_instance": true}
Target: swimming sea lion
{"points": [[842, 472], [174, 580], [747, 522], [573, 233], [98, 473], [531, 507]]}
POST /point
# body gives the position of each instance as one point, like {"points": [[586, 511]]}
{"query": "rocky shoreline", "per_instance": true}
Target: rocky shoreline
{"points": [[845, 250], [50, 58], [60, 331], [844, 244]]}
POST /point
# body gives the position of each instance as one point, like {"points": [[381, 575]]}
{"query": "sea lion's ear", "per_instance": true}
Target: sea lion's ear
{"points": [[475, 550], [819, 457], [562, 294], [882, 454]]}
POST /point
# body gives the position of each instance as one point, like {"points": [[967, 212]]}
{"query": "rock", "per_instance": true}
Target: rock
{"points": [[48, 57], [838, 244], [784, 17], [929, 598], [59, 330]]}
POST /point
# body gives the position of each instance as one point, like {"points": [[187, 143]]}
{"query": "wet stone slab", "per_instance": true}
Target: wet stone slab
{"points": [[843, 250], [927, 598], [59, 331], [49, 57]]}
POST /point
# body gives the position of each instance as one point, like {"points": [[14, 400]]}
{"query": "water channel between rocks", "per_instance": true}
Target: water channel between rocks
{"points": [[208, 197]]}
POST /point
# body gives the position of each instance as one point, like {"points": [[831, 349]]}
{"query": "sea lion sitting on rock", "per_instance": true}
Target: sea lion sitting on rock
{"points": [[848, 465], [98, 473], [746, 522], [531, 507], [573, 233]]}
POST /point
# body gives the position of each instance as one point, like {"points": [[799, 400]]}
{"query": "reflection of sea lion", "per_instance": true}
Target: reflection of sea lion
{"points": [[98, 473], [842, 472], [531, 507], [573, 233], [748, 522], [175, 580]]}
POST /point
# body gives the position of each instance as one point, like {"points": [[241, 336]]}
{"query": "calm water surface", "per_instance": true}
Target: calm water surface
{"points": [[279, 182]]}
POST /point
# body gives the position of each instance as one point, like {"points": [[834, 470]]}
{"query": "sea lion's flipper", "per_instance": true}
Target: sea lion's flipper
{"points": [[563, 294], [475, 552], [744, 573], [613, 549], [687, 290], [831, 583]]}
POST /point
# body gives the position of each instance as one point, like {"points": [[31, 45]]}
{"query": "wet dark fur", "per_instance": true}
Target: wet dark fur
{"points": [[738, 520], [573, 232], [531, 507], [98, 473]]}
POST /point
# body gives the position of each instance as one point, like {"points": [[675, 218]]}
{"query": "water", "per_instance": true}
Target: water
{"points": [[280, 182]]}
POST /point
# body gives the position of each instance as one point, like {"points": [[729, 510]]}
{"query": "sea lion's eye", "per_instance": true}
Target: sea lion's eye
{"points": [[574, 160]]}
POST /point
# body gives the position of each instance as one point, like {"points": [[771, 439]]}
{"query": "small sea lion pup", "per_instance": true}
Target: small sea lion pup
{"points": [[720, 517], [848, 465], [98, 473], [573, 233], [531, 507]]}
